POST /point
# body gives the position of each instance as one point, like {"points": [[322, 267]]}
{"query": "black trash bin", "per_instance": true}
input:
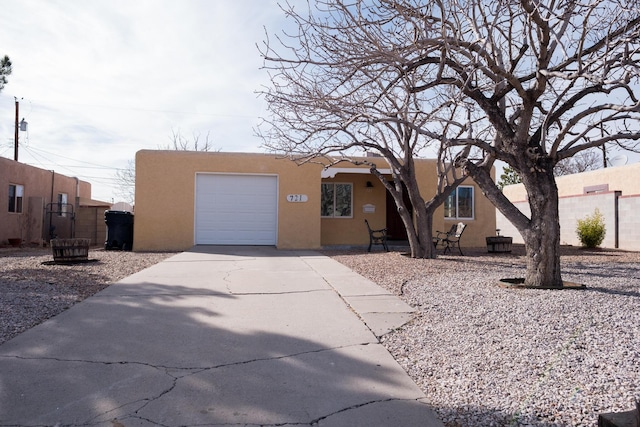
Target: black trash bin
{"points": [[119, 230]]}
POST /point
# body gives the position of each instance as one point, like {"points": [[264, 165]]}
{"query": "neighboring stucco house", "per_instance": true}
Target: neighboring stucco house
{"points": [[39, 204], [614, 191], [185, 198]]}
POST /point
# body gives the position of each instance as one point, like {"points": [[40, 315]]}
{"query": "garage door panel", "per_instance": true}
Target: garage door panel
{"points": [[236, 209]]}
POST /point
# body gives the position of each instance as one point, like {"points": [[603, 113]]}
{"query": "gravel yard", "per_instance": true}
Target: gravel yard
{"points": [[32, 292], [484, 355], [489, 356]]}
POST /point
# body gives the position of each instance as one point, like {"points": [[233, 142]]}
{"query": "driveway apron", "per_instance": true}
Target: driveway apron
{"points": [[218, 336]]}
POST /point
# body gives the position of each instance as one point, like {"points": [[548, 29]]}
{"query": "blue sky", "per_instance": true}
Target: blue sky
{"points": [[99, 80]]}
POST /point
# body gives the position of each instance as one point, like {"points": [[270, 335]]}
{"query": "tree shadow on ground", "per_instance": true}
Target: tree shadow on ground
{"points": [[149, 352]]}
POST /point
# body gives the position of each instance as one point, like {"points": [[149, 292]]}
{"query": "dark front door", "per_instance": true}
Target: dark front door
{"points": [[395, 226]]}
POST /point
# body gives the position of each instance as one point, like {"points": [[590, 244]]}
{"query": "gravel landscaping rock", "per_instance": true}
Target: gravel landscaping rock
{"points": [[32, 290], [484, 355], [489, 356]]}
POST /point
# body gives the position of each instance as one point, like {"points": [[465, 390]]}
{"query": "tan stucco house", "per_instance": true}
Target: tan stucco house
{"points": [[614, 191], [187, 198], [39, 204]]}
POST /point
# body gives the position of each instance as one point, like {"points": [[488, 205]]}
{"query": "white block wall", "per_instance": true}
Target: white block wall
{"points": [[573, 208], [629, 225]]}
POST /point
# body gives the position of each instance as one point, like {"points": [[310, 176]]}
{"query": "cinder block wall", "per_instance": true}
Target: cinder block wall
{"points": [[629, 225], [578, 207], [573, 208], [90, 225]]}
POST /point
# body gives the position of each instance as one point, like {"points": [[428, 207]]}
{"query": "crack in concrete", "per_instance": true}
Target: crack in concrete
{"points": [[281, 293], [168, 294], [360, 405], [229, 284], [353, 310], [149, 400], [312, 423], [104, 417], [226, 279], [195, 369], [176, 373]]}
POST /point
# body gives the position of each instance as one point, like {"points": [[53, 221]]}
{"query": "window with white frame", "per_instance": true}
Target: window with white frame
{"points": [[16, 194], [459, 204], [336, 200]]}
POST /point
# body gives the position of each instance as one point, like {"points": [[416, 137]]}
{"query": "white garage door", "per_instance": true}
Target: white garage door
{"points": [[236, 209]]}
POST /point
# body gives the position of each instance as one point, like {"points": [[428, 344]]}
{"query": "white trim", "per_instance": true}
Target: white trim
{"points": [[334, 200], [473, 204], [332, 172]]}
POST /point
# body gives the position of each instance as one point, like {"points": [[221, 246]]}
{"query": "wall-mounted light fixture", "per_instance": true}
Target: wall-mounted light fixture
{"points": [[369, 187]]}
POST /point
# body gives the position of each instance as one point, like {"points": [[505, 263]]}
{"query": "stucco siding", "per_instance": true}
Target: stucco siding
{"points": [[41, 188], [616, 178], [481, 226], [353, 231], [346, 231], [165, 196], [165, 199]]}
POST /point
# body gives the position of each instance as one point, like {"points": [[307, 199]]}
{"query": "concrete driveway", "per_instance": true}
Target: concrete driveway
{"points": [[217, 336]]}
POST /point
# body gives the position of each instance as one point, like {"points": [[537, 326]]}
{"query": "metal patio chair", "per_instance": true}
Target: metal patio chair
{"points": [[377, 237], [450, 239]]}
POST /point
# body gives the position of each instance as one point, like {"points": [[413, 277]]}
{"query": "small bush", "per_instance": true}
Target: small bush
{"points": [[591, 230]]}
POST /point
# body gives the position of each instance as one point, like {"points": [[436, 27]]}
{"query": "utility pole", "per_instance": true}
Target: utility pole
{"points": [[21, 126], [15, 145]]}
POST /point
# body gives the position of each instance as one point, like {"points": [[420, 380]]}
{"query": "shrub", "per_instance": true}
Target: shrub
{"points": [[591, 230]]}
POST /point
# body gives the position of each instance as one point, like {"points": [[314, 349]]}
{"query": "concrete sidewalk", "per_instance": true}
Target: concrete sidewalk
{"points": [[217, 336]]}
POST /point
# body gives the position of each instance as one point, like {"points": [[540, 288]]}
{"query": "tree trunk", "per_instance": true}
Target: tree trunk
{"points": [[540, 232], [418, 228], [424, 225]]}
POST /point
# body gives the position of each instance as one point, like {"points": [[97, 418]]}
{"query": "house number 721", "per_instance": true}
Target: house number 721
{"points": [[297, 198]]}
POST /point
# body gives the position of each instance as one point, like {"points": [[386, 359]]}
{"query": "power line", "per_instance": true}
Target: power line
{"points": [[95, 165], [76, 166], [37, 157], [110, 182], [141, 109]]}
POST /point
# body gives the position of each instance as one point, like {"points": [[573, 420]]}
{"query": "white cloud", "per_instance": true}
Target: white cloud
{"points": [[98, 80]]}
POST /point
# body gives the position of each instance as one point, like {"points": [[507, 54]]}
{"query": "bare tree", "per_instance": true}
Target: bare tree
{"points": [[542, 79], [126, 178], [583, 161], [341, 91], [181, 143], [532, 82], [126, 182]]}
